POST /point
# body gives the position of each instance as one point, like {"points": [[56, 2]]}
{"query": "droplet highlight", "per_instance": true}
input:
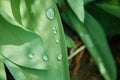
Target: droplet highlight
{"points": [[45, 58], [54, 32], [54, 28], [31, 55], [50, 13], [59, 57], [57, 41]]}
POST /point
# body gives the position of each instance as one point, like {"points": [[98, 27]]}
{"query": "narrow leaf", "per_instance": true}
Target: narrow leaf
{"points": [[69, 42], [15, 6], [87, 1], [109, 22], [41, 18], [2, 69], [78, 8], [114, 10], [98, 48]]}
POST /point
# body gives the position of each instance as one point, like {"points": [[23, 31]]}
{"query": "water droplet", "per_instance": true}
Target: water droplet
{"points": [[50, 13], [17, 51], [30, 55], [59, 57], [57, 41], [45, 58], [54, 28], [54, 32]]}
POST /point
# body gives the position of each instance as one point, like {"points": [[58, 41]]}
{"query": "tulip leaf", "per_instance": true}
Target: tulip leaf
{"points": [[69, 42], [78, 8], [98, 48], [112, 9], [15, 6]]}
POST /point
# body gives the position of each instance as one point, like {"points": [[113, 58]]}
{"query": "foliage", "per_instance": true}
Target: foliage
{"points": [[33, 45]]}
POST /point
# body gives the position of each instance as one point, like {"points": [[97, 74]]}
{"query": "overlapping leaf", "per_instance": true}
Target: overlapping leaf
{"points": [[78, 8], [15, 6], [2, 69], [110, 21], [36, 20], [112, 9], [95, 42], [69, 42]]}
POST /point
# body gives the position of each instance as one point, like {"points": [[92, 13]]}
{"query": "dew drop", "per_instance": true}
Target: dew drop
{"points": [[45, 58], [59, 57], [54, 28], [31, 55], [50, 13], [54, 32], [57, 41]]}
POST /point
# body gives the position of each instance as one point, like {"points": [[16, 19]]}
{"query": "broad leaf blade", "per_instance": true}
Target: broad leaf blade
{"points": [[6, 7], [54, 42], [23, 73], [17, 40]]}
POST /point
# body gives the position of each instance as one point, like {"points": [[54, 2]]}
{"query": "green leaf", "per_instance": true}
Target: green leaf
{"points": [[95, 43], [114, 10], [16, 40], [44, 20], [109, 72], [87, 1], [15, 6], [69, 42], [78, 8], [109, 22], [6, 7], [2, 69], [23, 73], [43, 35]]}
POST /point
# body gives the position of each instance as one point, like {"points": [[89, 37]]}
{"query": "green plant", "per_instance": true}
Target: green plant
{"points": [[32, 40]]}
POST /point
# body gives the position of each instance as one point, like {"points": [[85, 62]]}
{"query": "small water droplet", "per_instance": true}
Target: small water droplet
{"points": [[30, 55], [45, 58], [54, 32], [54, 28], [50, 13], [59, 57], [57, 41], [18, 51]]}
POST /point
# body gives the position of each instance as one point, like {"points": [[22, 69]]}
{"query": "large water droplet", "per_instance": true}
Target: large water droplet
{"points": [[45, 58], [31, 55], [50, 13], [59, 57]]}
